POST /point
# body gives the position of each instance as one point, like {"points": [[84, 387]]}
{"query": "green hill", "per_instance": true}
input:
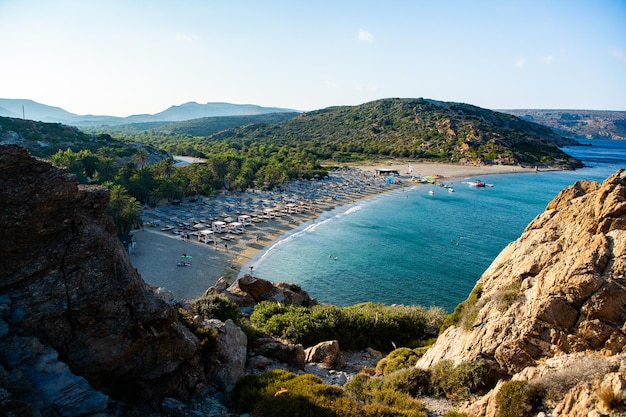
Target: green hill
{"points": [[411, 128], [204, 126], [45, 139]]}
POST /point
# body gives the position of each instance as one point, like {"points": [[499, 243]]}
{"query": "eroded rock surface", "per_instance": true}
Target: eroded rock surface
{"points": [[557, 290], [71, 288]]}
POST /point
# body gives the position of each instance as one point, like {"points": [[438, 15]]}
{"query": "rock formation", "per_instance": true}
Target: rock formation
{"points": [[249, 290], [69, 290], [557, 290]]}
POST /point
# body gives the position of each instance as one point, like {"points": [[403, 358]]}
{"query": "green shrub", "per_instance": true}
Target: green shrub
{"points": [[280, 393], [397, 359], [218, 307], [221, 308], [453, 413], [513, 399], [412, 381], [458, 382], [205, 335], [355, 327], [465, 313]]}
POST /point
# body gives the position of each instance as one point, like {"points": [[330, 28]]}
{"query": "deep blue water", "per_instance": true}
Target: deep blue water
{"points": [[415, 248]]}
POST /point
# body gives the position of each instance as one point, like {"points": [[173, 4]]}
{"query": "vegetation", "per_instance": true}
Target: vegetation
{"points": [[125, 210], [221, 308], [280, 393], [267, 150], [465, 313], [355, 327], [458, 382], [514, 399], [397, 359]]}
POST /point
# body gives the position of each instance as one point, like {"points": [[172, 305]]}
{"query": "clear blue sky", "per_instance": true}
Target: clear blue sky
{"points": [[122, 57]]}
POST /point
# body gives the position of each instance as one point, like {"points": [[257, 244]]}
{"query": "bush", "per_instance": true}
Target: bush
{"points": [[205, 335], [412, 381], [221, 308], [218, 307], [453, 413], [513, 399], [465, 313], [280, 393], [398, 359], [355, 327], [458, 382]]}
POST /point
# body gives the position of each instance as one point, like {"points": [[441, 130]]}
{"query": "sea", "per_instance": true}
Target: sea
{"points": [[412, 247]]}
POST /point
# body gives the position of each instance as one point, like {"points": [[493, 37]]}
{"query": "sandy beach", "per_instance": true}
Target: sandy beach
{"points": [[160, 252]]}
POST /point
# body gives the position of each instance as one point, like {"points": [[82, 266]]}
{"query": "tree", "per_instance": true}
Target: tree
{"points": [[141, 157], [125, 209]]}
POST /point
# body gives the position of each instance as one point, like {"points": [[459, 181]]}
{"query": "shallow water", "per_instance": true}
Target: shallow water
{"points": [[411, 247]]}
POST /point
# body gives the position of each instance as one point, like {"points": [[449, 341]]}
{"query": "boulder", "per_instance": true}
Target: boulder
{"points": [[227, 361], [290, 354], [250, 290], [327, 354]]}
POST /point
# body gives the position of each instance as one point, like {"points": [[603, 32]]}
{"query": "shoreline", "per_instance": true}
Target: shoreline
{"points": [[157, 253]]}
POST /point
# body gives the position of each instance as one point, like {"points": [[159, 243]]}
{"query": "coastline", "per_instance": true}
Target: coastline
{"points": [[157, 253]]}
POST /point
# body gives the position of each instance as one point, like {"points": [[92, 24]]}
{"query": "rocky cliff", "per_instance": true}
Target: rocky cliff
{"points": [[76, 316], [556, 294]]}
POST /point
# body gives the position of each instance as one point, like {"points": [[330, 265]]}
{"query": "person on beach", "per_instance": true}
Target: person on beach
{"points": [[226, 246]]}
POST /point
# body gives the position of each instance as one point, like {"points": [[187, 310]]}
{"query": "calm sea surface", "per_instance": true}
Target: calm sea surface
{"points": [[415, 248]]}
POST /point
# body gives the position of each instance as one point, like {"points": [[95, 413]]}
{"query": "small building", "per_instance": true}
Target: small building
{"points": [[386, 172]]}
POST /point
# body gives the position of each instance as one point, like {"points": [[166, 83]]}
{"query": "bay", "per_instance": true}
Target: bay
{"points": [[410, 247]]}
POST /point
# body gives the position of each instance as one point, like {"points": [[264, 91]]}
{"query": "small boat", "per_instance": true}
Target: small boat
{"points": [[477, 183], [450, 189], [431, 192]]}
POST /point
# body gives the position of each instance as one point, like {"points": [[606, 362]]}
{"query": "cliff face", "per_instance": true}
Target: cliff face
{"points": [[558, 290], [67, 286]]}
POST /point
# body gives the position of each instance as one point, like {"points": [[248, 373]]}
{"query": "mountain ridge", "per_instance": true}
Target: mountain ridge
{"points": [[576, 124], [19, 108]]}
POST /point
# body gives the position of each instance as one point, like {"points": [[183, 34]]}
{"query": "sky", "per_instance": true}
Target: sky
{"points": [[123, 57]]}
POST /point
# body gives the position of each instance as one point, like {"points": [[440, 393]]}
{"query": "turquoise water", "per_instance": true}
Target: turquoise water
{"points": [[415, 248]]}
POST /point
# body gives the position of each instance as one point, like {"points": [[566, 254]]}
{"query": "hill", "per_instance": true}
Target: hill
{"points": [[588, 124], [29, 109], [45, 139], [412, 128], [204, 126]]}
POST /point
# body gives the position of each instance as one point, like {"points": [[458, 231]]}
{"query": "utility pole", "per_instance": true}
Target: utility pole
{"points": [[23, 114]]}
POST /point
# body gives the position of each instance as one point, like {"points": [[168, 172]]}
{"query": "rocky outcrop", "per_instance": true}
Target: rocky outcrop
{"points": [[71, 289], [228, 361], [250, 290], [559, 289]]}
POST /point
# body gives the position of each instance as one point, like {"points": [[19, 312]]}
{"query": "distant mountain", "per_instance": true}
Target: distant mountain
{"points": [[204, 126], [588, 124], [32, 110], [414, 128]]}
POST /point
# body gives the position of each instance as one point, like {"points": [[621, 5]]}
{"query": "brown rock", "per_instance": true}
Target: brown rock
{"points": [[559, 288], [326, 354], [72, 286]]}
